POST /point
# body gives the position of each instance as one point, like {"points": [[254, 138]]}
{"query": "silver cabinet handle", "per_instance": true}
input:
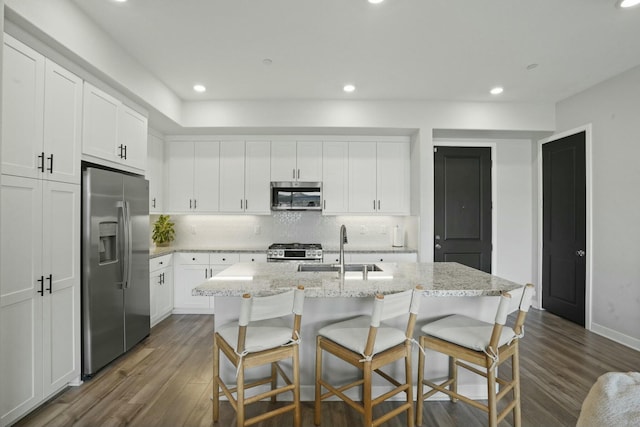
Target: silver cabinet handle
{"points": [[374, 205], [378, 204], [246, 204], [294, 173], [240, 204], [298, 173], [438, 246], [580, 253]]}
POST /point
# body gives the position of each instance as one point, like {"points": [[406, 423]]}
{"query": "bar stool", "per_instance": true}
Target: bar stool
{"points": [[368, 344], [487, 345], [261, 336]]}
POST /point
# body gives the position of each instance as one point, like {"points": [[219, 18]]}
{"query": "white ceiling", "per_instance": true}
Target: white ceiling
{"points": [[399, 49]]}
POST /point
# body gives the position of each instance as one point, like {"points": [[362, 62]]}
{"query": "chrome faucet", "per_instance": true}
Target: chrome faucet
{"points": [[343, 240]]}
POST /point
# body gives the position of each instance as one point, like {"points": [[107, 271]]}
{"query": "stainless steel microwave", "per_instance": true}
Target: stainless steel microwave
{"points": [[296, 196]]}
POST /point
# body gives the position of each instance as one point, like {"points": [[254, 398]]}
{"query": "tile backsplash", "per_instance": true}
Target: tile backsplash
{"points": [[258, 232]]}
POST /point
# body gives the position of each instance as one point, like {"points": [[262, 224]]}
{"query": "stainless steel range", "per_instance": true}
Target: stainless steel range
{"points": [[292, 252]]}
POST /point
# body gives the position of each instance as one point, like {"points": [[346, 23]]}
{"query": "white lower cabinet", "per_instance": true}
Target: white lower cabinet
{"points": [[370, 257], [39, 292], [192, 269], [383, 257], [161, 287]]}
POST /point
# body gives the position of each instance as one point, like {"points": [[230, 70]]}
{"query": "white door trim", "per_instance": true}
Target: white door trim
{"points": [[589, 217]]}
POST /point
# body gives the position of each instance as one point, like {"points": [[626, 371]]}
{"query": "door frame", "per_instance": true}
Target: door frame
{"points": [[587, 129], [494, 188]]}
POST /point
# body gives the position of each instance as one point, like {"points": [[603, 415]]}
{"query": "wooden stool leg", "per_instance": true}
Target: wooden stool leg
{"points": [[420, 385], [491, 394], [297, 415], [316, 415], [216, 387], [453, 374], [274, 380], [240, 395], [409, 381], [366, 394], [515, 372]]}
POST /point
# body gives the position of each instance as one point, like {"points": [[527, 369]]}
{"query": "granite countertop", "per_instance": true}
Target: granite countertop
{"points": [[437, 279], [160, 251]]}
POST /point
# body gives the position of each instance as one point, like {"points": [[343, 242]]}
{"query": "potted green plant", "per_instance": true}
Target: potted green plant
{"points": [[163, 231]]}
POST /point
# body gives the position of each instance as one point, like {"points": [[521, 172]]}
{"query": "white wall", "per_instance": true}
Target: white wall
{"points": [[613, 109]]}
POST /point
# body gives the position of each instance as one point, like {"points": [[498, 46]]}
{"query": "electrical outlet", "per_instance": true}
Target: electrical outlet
{"points": [[383, 229], [257, 229], [363, 229]]}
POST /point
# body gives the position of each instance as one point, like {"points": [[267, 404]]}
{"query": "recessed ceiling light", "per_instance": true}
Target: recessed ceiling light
{"points": [[375, 1], [267, 61], [496, 90], [199, 88], [349, 88], [628, 3], [532, 66], [120, 1]]}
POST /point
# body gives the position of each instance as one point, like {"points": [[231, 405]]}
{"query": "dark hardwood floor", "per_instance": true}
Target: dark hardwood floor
{"points": [[166, 381]]}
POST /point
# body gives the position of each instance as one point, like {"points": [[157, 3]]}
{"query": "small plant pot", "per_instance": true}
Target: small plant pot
{"points": [[163, 244]]}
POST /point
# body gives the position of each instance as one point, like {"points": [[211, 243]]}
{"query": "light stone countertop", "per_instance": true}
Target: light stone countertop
{"points": [[438, 279], [160, 251]]}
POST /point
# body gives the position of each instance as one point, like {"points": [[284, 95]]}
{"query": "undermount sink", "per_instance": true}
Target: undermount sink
{"points": [[336, 267]]}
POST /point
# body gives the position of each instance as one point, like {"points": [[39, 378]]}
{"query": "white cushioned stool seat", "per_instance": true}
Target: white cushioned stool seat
{"points": [[353, 334], [262, 335], [467, 332]]}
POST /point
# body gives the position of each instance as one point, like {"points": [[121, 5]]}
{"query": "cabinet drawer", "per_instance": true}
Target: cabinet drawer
{"points": [[192, 258], [160, 262], [224, 258], [253, 257], [384, 257]]}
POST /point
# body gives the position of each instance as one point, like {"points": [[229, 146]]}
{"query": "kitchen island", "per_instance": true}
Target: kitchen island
{"points": [[448, 288]]}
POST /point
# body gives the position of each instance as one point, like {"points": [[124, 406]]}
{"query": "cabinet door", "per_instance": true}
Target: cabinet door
{"points": [[155, 175], [283, 161], [22, 104], [206, 186], [99, 123], [132, 136], [393, 177], [164, 298], [181, 175], [362, 177], [21, 351], [61, 267], [232, 198], [309, 161], [155, 279], [62, 124], [186, 278], [257, 177], [335, 177]]}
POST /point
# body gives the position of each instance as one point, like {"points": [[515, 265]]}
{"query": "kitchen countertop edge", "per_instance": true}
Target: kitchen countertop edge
{"points": [[161, 251]]}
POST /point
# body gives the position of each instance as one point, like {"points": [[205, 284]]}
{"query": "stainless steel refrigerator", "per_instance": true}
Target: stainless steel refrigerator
{"points": [[115, 265]]}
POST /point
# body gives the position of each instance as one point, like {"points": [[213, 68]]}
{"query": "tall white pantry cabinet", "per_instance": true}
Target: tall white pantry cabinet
{"points": [[40, 229]]}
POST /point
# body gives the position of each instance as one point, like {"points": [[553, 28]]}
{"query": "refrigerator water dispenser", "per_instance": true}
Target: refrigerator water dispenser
{"points": [[108, 244]]}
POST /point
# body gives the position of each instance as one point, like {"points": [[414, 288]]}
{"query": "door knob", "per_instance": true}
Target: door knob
{"points": [[438, 246], [580, 253]]}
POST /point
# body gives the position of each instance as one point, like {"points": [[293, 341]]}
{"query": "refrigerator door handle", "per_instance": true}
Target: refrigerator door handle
{"points": [[127, 244]]}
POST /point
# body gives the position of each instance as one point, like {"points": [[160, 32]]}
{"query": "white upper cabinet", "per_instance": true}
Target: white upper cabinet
{"points": [[232, 198], [335, 181], [42, 110], [257, 173], [155, 173], [393, 180], [112, 131], [193, 181], [244, 177], [379, 180], [362, 177], [296, 161]]}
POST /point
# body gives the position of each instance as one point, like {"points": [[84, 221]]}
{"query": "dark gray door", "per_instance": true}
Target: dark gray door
{"points": [[564, 227], [462, 216]]}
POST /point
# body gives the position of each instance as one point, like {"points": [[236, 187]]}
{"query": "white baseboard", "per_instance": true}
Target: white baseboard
{"points": [[616, 336]]}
